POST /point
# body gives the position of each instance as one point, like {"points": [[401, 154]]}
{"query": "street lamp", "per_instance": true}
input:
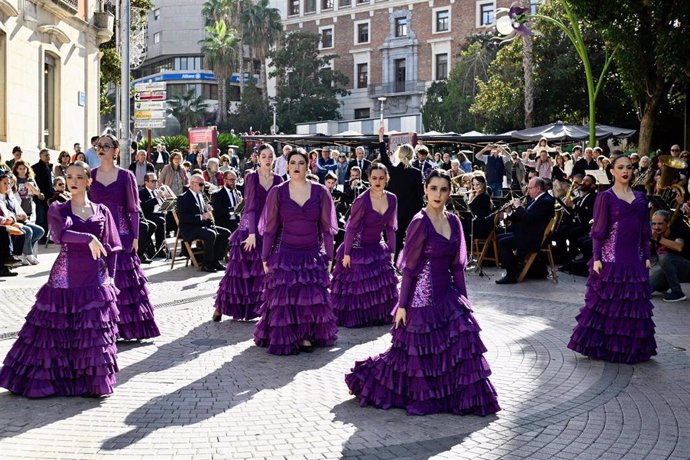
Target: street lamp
{"points": [[274, 128]]}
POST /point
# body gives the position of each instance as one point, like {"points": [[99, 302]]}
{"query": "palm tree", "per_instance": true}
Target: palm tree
{"points": [[220, 49], [263, 29], [235, 9], [216, 10], [188, 108]]}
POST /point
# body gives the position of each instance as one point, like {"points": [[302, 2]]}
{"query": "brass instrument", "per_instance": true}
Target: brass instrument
{"points": [[573, 188], [642, 179], [508, 205]]}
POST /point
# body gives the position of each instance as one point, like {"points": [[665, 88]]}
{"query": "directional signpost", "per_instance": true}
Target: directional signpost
{"points": [[149, 107]]}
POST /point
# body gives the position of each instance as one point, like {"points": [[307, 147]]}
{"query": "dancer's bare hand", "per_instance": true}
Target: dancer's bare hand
{"points": [[346, 261], [648, 263], [265, 267], [400, 316], [330, 266], [135, 245], [250, 242], [597, 266], [97, 249]]}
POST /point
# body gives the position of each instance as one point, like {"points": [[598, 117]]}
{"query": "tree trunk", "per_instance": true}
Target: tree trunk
{"points": [[222, 102], [649, 113], [241, 68], [527, 67], [264, 78]]}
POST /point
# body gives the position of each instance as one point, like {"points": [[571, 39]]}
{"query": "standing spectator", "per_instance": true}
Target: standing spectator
{"points": [[234, 159], [445, 162], [586, 163], [325, 164], [43, 172], [422, 162], [16, 154], [495, 167], [224, 164], [91, 156], [160, 151], [174, 175], [199, 162], [212, 174], [343, 168], [313, 156], [252, 163], [77, 151], [26, 185], [361, 162], [140, 167], [280, 165], [465, 164], [64, 161]]}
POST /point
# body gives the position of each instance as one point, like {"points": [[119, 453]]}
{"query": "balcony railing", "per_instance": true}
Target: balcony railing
{"points": [[397, 88], [70, 5]]}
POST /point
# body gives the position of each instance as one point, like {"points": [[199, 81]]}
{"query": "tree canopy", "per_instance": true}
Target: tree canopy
{"points": [[307, 87]]}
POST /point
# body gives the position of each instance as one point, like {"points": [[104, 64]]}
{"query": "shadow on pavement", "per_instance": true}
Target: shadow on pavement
{"points": [[235, 382]]}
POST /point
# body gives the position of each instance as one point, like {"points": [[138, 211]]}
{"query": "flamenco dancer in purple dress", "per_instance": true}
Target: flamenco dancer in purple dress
{"points": [[297, 224], [365, 288], [435, 363], [116, 188], [616, 322], [239, 293], [67, 345]]}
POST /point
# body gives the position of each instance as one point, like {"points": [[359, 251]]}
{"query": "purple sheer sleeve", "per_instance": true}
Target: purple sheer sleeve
{"points": [[250, 202], [411, 257], [60, 222], [600, 227], [111, 240], [354, 222], [269, 222], [457, 266], [328, 222], [132, 201], [646, 230], [392, 224]]}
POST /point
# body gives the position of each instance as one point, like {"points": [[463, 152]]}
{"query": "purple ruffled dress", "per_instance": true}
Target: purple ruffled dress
{"points": [[239, 293], [365, 293], [67, 345], [136, 319], [616, 322], [435, 363], [298, 243]]}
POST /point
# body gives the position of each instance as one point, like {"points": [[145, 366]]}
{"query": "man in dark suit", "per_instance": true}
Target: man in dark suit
{"points": [[151, 199], [196, 221], [362, 163], [423, 163], [528, 226], [585, 163], [225, 200], [43, 173]]}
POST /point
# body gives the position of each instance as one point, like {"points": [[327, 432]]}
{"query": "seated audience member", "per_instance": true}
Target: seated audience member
{"points": [[140, 167], [151, 198], [196, 222], [212, 174], [527, 229], [673, 265], [7, 260], [32, 232], [225, 202], [60, 194]]}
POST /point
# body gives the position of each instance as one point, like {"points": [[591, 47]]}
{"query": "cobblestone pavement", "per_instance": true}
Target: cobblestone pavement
{"points": [[202, 390]]}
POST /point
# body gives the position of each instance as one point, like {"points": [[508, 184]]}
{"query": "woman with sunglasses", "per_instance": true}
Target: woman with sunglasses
{"points": [[64, 161], [117, 189]]}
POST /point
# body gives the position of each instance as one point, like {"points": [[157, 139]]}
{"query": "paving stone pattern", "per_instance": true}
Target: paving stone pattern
{"points": [[203, 390]]}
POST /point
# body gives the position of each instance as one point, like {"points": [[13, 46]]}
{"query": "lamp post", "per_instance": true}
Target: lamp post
{"points": [[274, 128], [123, 120]]}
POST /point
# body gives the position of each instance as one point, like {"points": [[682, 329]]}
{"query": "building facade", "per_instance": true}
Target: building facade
{"points": [[391, 49], [173, 54], [49, 73]]}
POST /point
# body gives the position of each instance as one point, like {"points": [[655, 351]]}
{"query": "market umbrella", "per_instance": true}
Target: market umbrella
{"points": [[560, 131]]}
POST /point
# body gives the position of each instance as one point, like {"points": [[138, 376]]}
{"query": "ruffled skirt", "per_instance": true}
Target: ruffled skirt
{"points": [[66, 346], [435, 364], [296, 304], [136, 312], [365, 293], [616, 323], [239, 293]]}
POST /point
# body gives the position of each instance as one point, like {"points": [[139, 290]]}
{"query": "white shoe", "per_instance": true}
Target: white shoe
{"points": [[33, 260], [25, 260]]}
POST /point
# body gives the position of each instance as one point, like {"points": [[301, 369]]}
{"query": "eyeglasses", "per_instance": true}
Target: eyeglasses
{"points": [[675, 150], [104, 146]]}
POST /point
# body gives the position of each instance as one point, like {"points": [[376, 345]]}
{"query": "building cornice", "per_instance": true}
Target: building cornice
{"points": [[352, 11], [8, 9]]}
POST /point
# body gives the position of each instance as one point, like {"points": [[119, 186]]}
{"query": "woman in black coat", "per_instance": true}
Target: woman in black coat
{"points": [[406, 183]]}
